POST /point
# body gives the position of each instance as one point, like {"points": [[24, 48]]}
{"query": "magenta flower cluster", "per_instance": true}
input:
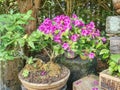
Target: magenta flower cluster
{"points": [[65, 30], [89, 30]]}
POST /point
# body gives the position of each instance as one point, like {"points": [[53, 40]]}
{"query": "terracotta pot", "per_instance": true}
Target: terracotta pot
{"points": [[53, 86], [116, 4]]}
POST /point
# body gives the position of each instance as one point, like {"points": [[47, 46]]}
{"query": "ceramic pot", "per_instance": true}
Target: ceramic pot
{"points": [[53, 86]]}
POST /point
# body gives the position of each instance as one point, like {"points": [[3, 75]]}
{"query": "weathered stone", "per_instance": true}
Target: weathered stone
{"points": [[115, 45], [79, 68], [89, 82], [9, 74], [113, 24]]}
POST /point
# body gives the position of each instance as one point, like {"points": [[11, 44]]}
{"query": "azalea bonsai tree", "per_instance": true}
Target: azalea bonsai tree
{"points": [[60, 35]]}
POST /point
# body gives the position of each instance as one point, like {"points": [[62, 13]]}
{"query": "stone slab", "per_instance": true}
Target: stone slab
{"points": [[89, 82], [113, 24]]}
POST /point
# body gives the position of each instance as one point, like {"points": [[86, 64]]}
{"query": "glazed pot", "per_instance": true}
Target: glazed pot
{"points": [[53, 86], [116, 4]]}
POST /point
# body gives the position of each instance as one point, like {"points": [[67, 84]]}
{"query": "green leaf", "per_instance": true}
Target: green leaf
{"points": [[20, 22], [115, 57], [61, 51], [116, 68], [111, 70], [104, 51], [30, 60], [119, 68], [99, 45], [25, 73], [112, 64], [105, 56], [31, 44], [21, 42], [29, 12]]}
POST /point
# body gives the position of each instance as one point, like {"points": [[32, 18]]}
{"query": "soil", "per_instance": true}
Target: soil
{"points": [[101, 66], [44, 72]]}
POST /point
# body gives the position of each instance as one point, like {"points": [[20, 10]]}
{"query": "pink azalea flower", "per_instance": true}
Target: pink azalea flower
{"points": [[74, 37], [84, 32], [74, 16], [91, 55], [104, 39], [57, 39], [65, 46], [94, 88], [91, 25], [43, 73]]}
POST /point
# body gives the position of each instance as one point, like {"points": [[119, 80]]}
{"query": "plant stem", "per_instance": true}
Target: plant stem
{"points": [[47, 52], [52, 57]]}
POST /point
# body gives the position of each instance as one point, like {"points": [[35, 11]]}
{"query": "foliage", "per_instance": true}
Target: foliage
{"points": [[91, 43], [114, 64], [8, 5], [12, 34]]}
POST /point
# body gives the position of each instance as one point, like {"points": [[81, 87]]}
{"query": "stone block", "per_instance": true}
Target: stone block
{"points": [[9, 74], [78, 68], [115, 45], [113, 25], [89, 82]]}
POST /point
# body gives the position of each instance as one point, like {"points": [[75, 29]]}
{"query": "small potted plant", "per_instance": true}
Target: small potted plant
{"points": [[37, 74], [57, 36], [110, 78]]}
